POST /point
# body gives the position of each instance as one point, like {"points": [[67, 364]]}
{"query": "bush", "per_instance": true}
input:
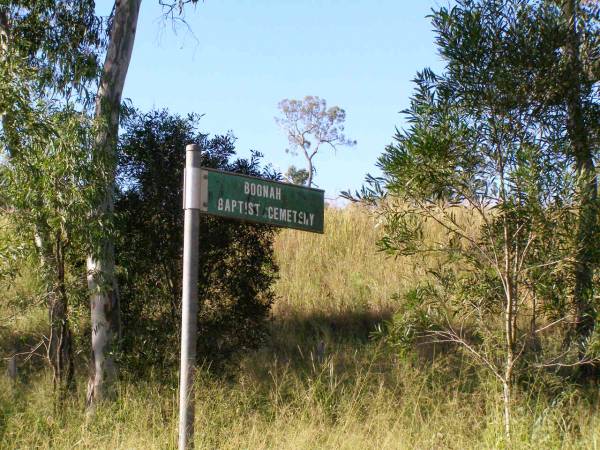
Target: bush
{"points": [[236, 259]]}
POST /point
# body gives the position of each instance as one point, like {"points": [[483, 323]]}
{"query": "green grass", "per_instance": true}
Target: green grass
{"points": [[333, 288]]}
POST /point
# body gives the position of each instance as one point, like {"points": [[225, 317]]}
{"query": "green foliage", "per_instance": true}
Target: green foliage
{"points": [[59, 40], [48, 59], [297, 176], [489, 156], [236, 259], [49, 179], [47, 187], [47, 184]]}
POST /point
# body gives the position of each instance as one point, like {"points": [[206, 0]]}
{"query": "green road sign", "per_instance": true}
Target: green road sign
{"points": [[254, 199]]}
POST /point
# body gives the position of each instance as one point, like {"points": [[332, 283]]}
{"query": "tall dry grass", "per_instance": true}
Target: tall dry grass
{"points": [[333, 289], [360, 405], [340, 270]]}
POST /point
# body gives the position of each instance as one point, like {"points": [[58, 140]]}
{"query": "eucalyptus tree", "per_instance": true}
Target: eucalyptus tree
{"points": [[310, 126], [48, 61], [59, 40], [47, 190], [50, 49], [484, 184], [104, 301], [104, 304]]}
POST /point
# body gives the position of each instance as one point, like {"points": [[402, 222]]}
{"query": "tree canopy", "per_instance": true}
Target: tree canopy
{"points": [[310, 125], [499, 151]]}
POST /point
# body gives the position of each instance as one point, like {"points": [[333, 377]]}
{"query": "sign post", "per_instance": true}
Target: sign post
{"points": [[189, 307], [234, 196], [253, 199]]}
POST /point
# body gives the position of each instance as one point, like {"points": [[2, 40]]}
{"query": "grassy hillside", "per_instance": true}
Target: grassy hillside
{"points": [[321, 382], [340, 270]]}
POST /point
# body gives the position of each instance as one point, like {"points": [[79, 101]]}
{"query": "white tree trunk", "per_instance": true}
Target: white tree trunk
{"points": [[104, 302], [4, 36]]}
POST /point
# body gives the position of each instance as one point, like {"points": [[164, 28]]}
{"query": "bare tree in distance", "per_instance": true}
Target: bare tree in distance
{"points": [[310, 125]]}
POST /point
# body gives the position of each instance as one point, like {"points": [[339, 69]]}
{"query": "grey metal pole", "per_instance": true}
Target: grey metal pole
{"points": [[189, 307]]}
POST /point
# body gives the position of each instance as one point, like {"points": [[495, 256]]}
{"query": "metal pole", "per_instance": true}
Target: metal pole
{"points": [[189, 307]]}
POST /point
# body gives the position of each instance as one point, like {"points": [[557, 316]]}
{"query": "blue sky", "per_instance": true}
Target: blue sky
{"points": [[239, 58]]}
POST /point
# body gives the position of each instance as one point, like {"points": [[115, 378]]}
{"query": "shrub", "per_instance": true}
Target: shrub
{"points": [[236, 259]]}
